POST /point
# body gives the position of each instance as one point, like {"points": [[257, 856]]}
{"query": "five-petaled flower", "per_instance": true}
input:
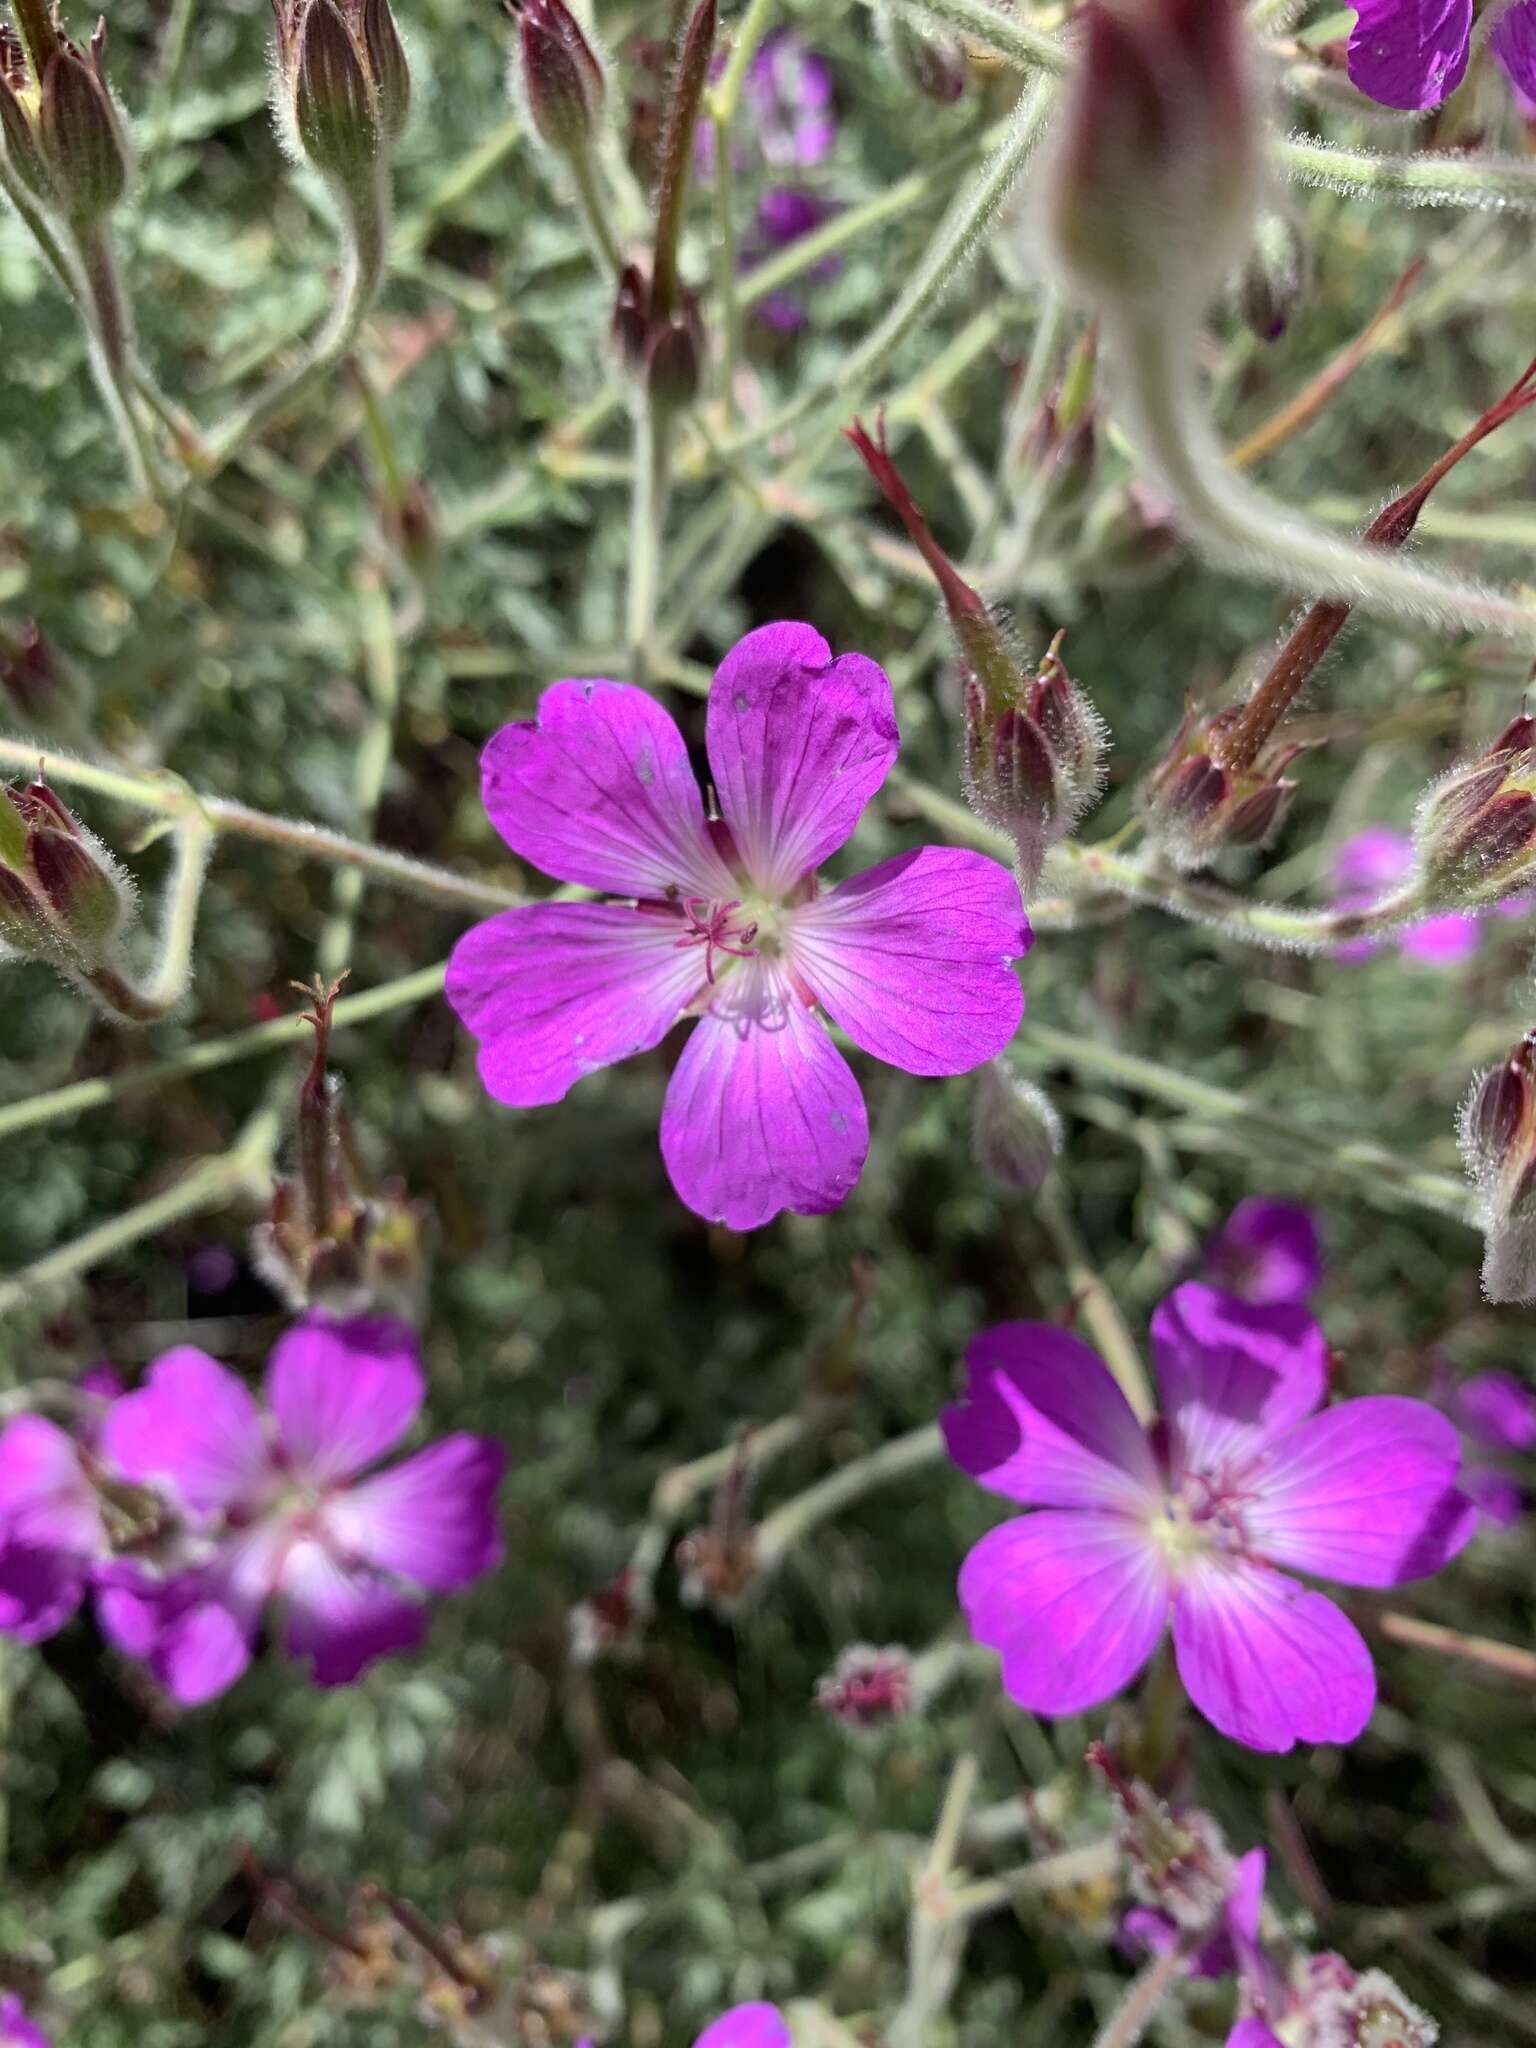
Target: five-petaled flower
{"points": [[285, 1513], [724, 918], [1193, 1517], [1414, 53]]}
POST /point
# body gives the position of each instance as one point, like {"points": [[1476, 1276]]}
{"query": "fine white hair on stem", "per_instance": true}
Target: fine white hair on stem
{"points": [[1153, 355]]}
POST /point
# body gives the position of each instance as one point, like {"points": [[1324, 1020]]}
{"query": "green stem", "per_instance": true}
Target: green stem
{"points": [[365, 235], [111, 334], [245, 1167], [1146, 1997], [381, 659], [80, 1096], [1437, 179], [1368, 1166], [648, 511], [953, 243], [997, 30], [793, 1522], [594, 212], [725, 267], [173, 799], [146, 1001]]}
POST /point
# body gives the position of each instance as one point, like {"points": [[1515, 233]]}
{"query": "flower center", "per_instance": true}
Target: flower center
{"points": [[718, 928], [1201, 1514]]}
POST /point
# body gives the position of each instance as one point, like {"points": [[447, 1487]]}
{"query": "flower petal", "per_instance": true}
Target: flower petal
{"points": [[1232, 1373], [1442, 941], [1513, 42], [1492, 1407], [41, 1588], [558, 990], [342, 1619], [16, 2030], [914, 958], [1075, 1604], [798, 744], [431, 1519], [1267, 1251], [1253, 2033], [1410, 53], [343, 1394], [1268, 1663], [1043, 1422], [192, 1429], [762, 1112], [200, 1653], [599, 790], [747, 2026], [45, 1497], [1364, 1493]]}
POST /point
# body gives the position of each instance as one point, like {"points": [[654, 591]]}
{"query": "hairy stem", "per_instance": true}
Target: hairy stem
{"points": [[381, 661], [650, 490], [146, 1000]]}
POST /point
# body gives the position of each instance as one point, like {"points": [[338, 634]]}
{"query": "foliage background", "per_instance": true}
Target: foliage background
{"points": [[576, 1309]]}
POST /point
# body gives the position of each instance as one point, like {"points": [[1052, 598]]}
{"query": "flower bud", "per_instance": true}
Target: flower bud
{"points": [[1016, 1134], [561, 75], [346, 81], [1475, 830], [868, 1688], [936, 65], [673, 356], [1151, 192], [1497, 1132], [62, 897], [18, 130], [628, 329], [1274, 277], [81, 137], [1195, 807]]}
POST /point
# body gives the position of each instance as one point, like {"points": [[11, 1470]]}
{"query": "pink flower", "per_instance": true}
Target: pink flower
{"points": [[285, 1514], [1267, 1251], [1192, 1518], [53, 1535], [1413, 53], [912, 958], [789, 101], [1497, 1416], [747, 2026], [1369, 867], [16, 2030]]}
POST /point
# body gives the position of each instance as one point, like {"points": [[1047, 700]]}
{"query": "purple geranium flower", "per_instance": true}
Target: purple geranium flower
{"points": [[912, 958], [285, 1513], [747, 2026], [1497, 1417], [1267, 1251], [1191, 1518], [788, 92], [52, 1535], [784, 215], [1413, 53], [16, 2030], [1369, 867]]}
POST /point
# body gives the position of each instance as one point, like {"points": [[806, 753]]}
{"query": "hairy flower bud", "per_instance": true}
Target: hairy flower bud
{"points": [[81, 137], [1016, 1134], [62, 896], [936, 65], [1150, 195], [561, 74], [1274, 277], [1475, 830], [1196, 807], [1497, 1131], [868, 1688], [345, 80]]}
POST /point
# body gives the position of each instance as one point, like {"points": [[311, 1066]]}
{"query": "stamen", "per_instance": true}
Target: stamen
{"points": [[709, 926]]}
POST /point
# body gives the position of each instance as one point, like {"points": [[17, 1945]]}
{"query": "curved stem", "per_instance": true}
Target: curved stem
{"points": [[594, 212], [1237, 524], [365, 234], [1439, 179], [136, 1001]]}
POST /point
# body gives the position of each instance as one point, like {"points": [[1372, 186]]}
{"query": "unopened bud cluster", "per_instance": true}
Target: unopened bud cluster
{"points": [[63, 139], [1034, 765], [1498, 1143], [345, 83], [868, 1688], [62, 896], [327, 1241], [1195, 806], [663, 350], [1475, 831]]}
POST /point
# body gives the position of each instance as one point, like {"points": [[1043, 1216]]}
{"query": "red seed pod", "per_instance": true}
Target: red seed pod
{"points": [[1475, 832], [1195, 806]]}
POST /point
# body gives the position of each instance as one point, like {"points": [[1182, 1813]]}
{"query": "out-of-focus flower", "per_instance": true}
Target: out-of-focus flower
{"points": [[1374, 863], [747, 2026], [287, 1513], [786, 215], [1267, 1251], [866, 1687], [16, 2030], [1405, 53], [1496, 1415], [788, 94], [725, 920], [1190, 1520]]}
